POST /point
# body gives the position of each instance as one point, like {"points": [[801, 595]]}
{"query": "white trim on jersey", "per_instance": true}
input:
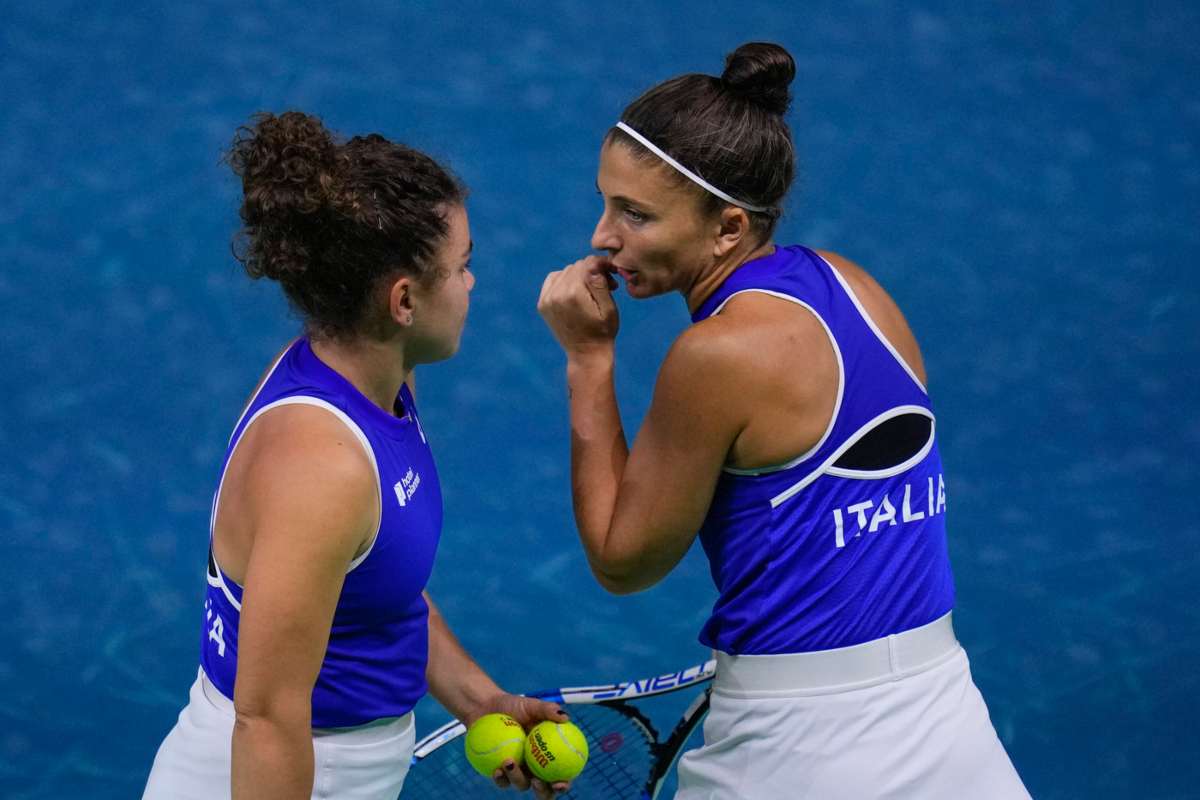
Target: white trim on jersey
{"points": [[837, 406], [871, 324], [218, 581], [261, 385], [212, 514], [887, 472], [825, 467], [301, 399]]}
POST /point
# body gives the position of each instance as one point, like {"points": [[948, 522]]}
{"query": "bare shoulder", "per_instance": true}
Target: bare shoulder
{"points": [[766, 366], [301, 474], [308, 444], [760, 350], [717, 351], [859, 279], [698, 381], [756, 332], [881, 308]]}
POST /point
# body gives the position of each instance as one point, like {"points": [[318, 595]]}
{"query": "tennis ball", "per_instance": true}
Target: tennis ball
{"points": [[555, 751], [491, 740]]}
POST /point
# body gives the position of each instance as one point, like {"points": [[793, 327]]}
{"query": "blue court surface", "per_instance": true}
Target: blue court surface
{"points": [[1024, 178]]}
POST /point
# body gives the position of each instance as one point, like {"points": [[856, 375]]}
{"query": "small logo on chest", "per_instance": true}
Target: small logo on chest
{"points": [[407, 486]]}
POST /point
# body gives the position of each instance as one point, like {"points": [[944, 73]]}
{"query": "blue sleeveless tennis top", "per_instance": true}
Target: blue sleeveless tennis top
{"points": [[845, 543], [374, 665]]}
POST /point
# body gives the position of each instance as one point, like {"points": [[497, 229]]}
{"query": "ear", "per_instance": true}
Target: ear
{"points": [[400, 301], [733, 226]]}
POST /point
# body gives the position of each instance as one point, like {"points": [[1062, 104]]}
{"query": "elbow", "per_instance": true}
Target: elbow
{"points": [[617, 586], [627, 564], [247, 725], [619, 581], [255, 716]]}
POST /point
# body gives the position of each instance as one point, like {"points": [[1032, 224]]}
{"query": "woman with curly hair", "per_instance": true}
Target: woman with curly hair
{"points": [[318, 636]]}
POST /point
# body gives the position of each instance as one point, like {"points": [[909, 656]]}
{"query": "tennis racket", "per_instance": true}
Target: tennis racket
{"points": [[626, 759]]}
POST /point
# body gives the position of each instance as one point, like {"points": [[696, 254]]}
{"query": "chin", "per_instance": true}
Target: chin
{"points": [[435, 354], [641, 291]]}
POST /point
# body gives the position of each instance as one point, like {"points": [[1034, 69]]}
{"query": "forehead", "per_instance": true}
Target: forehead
{"points": [[637, 177], [458, 228], [456, 216]]}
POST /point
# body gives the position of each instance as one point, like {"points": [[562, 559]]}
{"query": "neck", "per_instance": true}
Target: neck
{"points": [[711, 279], [374, 368]]}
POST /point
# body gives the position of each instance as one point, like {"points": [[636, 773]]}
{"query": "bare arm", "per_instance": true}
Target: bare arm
{"points": [[599, 452], [455, 680], [638, 512], [314, 503], [466, 691]]}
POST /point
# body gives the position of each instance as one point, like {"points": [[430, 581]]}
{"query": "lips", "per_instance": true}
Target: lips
{"points": [[630, 275]]}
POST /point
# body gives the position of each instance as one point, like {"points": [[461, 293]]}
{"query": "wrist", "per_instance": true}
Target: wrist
{"points": [[478, 699], [593, 360], [476, 708]]}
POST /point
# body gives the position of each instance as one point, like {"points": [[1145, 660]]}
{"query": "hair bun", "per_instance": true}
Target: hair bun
{"points": [[286, 164], [761, 72]]}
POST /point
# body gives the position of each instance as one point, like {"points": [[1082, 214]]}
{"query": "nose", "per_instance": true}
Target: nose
{"points": [[603, 237], [470, 280]]}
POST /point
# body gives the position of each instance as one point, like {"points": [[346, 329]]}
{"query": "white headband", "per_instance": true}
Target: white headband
{"points": [[687, 173]]}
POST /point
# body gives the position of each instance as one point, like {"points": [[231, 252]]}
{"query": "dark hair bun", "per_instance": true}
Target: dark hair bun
{"points": [[761, 72], [286, 164]]}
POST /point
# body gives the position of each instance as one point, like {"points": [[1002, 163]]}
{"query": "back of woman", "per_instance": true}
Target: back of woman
{"points": [[791, 430], [794, 543]]}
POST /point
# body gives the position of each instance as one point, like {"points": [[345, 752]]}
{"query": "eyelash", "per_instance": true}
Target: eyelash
{"points": [[634, 216]]}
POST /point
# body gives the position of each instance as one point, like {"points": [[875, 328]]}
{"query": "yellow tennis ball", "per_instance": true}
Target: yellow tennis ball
{"points": [[491, 740], [555, 751]]}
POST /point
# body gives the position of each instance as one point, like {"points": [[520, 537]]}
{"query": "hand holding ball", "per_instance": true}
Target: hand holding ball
{"points": [[493, 739], [555, 751]]}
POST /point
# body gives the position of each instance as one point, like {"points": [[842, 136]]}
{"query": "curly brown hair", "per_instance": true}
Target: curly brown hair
{"points": [[331, 220]]}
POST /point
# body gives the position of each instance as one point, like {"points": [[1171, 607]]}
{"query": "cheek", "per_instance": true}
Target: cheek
{"points": [[669, 258], [651, 251]]}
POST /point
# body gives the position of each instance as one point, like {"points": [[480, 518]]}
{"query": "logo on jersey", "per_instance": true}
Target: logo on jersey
{"points": [[912, 508], [216, 632], [407, 486]]}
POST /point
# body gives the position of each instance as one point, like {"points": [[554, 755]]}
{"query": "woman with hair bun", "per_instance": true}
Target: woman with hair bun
{"points": [[318, 637], [790, 429]]}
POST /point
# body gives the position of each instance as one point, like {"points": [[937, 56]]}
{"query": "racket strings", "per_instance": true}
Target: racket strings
{"points": [[621, 752]]}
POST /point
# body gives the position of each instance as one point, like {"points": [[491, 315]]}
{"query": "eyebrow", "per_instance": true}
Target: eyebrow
{"points": [[620, 198]]}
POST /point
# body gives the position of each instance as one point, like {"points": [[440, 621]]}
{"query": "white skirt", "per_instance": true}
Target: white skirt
{"points": [[905, 721], [193, 762]]}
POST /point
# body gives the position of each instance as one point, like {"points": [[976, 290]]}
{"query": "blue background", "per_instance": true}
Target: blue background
{"points": [[1023, 178]]}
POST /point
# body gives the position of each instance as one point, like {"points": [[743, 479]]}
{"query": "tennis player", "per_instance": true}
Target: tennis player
{"points": [[318, 637], [791, 429]]}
